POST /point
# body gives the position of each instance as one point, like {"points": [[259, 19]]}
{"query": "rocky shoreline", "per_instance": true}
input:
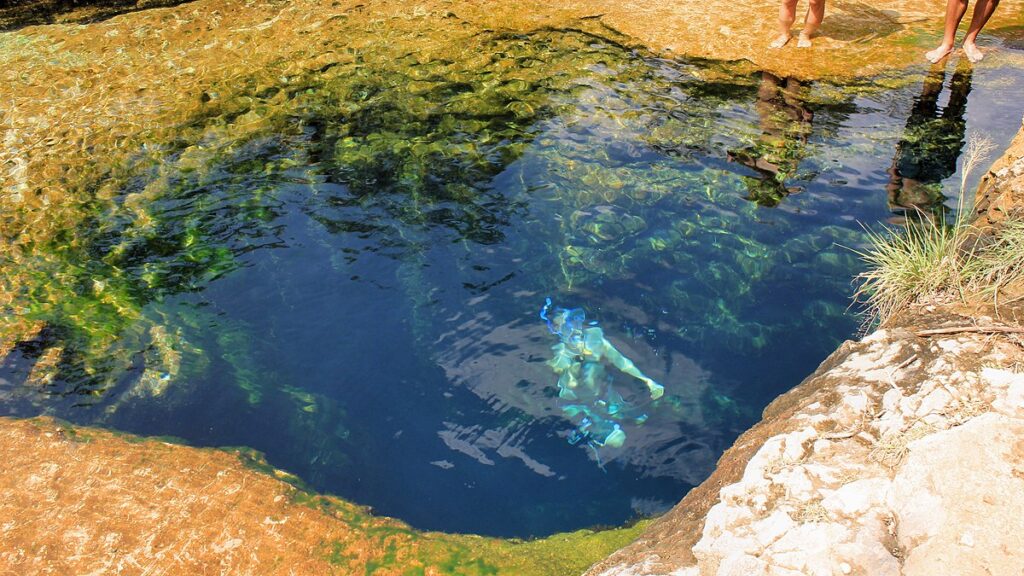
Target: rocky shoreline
{"points": [[870, 466], [91, 501]]}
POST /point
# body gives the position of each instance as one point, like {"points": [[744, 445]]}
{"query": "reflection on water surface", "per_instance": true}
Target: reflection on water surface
{"points": [[344, 271]]}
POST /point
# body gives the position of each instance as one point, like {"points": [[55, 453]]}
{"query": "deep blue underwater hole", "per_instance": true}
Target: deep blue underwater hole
{"points": [[354, 288]]}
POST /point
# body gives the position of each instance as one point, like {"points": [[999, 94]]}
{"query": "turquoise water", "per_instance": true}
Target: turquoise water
{"points": [[345, 271]]}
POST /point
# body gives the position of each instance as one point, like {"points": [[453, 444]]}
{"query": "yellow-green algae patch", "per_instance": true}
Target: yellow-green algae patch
{"points": [[87, 500]]}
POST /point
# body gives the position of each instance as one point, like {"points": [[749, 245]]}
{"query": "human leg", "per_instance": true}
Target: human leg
{"points": [[616, 438], [812, 21], [618, 408], [787, 15], [955, 10], [596, 430], [983, 10]]}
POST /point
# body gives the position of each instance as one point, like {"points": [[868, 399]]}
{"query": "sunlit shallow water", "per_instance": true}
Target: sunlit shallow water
{"points": [[345, 271]]}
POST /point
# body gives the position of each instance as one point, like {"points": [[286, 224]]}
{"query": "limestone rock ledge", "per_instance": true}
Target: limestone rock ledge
{"points": [[80, 501], [1001, 191], [902, 455]]}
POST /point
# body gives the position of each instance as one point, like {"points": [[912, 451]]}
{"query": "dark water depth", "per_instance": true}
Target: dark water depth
{"points": [[345, 271]]}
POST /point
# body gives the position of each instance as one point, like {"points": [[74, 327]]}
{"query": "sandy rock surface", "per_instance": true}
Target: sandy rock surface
{"points": [[902, 455], [75, 93], [99, 504], [957, 499], [85, 501]]}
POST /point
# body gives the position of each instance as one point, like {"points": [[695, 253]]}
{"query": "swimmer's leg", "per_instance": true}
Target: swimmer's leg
{"points": [[593, 376]]}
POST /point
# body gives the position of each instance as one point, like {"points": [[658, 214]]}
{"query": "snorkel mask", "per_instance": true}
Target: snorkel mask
{"points": [[566, 324]]}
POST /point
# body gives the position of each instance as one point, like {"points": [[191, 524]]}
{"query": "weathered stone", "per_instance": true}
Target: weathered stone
{"points": [[964, 482], [795, 483], [1001, 192], [1011, 402], [934, 403], [807, 548], [779, 571], [773, 527], [857, 498], [742, 565], [867, 553]]}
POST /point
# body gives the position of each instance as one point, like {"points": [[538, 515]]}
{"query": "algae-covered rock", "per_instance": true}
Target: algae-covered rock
{"points": [[226, 510]]}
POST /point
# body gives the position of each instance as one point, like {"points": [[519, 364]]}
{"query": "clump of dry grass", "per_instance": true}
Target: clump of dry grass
{"points": [[904, 266], [1002, 262], [811, 512], [891, 449]]}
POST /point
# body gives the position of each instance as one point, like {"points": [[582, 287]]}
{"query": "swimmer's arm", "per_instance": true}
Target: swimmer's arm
{"points": [[627, 367]]}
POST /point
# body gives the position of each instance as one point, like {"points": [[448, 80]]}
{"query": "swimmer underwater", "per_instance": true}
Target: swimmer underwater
{"points": [[584, 385]]}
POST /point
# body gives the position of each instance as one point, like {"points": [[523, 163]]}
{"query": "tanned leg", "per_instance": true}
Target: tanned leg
{"points": [[955, 10], [787, 15], [815, 14], [983, 10]]}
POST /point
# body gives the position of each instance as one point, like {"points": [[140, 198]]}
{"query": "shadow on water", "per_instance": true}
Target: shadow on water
{"points": [[785, 125], [932, 141], [345, 270]]}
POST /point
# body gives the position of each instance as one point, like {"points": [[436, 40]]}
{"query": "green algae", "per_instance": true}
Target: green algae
{"points": [[399, 549], [418, 138]]}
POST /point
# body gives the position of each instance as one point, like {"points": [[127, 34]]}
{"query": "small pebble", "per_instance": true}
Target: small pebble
{"points": [[846, 568]]}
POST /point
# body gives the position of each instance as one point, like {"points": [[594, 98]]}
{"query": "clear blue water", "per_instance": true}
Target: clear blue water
{"points": [[354, 288]]}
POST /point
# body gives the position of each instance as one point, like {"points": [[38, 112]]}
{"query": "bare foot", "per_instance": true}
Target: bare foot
{"points": [[781, 41], [937, 54], [974, 54], [803, 42]]}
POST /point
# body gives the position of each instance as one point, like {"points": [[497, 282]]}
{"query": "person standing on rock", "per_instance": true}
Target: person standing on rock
{"points": [[812, 21], [955, 10]]}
